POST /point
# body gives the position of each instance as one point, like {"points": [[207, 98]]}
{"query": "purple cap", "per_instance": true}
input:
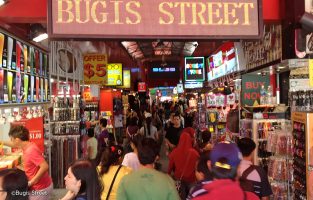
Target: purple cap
{"points": [[229, 151]]}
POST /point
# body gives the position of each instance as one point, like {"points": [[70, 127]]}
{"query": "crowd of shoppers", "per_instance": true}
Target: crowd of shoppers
{"points": [[129, 171]]}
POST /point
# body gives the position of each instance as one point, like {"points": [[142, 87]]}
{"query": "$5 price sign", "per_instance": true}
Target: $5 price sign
{"points": [[90, 70]]}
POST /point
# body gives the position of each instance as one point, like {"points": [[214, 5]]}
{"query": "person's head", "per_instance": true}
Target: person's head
{"points": [[176, 120], [91, 132], [147, 152], [135, 141], [191, 131], [103, 122], [148, 118], [246, 146], [206, 136], [225, 158], [110, 156], [11, 182], [82, 177], [18, 134], [133, 121], [202, 169]]}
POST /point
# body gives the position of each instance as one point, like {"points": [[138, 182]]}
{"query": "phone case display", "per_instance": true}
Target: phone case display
{"points": [[91, 111], [65, 129], [301, 100], [65, 109], [303, 154], [19, 82]]}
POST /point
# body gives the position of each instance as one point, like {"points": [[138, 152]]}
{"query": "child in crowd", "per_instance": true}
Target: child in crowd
{"points": [[203, 175], [92, 146], [82, 182], [35, 166], [13, 185]]}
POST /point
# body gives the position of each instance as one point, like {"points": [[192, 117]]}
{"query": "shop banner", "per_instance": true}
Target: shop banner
{"points": [[266, 50], [35, 128], [126, 79], [155, 19], [250, 88], [95, 69], [115, 74]]}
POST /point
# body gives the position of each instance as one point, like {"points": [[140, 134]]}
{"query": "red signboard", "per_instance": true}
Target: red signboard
{"points": [[142, 87], [35, 127], [155, 19]]}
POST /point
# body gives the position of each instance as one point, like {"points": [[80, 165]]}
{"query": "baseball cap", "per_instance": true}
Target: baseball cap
{"points": [[229, 151]]}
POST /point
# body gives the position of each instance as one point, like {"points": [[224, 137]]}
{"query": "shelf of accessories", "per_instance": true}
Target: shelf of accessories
{"points": [[26, 104], [275, 153]]}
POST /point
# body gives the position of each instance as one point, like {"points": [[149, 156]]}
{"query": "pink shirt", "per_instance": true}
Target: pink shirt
{"points": [[32, 158]]}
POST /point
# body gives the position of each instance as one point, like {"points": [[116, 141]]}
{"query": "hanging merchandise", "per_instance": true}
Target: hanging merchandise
{"points": [[61, 160], [232, 121], [211, 100], [303, 154]]}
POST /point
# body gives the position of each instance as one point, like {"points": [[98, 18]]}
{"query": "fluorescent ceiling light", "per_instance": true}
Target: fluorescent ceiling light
{"points": [[40, 37], [2, 2]]}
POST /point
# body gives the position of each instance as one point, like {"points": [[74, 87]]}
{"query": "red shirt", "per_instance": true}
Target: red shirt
{"points": [[225, 189], [32, 158]]}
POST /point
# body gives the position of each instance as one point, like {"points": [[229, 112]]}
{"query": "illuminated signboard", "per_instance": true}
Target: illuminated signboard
{"points": [[126, 79], [115, 74], [155, 19], [192, 85], [223, 62], [161, 69], [194, 69]]}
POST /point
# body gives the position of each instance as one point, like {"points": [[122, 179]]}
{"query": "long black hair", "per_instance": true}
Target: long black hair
{"points": [[86, 172], [110, 156]]}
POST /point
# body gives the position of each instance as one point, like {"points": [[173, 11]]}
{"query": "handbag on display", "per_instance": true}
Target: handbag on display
{"points": [[232, 121]]}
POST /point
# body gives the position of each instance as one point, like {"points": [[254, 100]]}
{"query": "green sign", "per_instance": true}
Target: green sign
{"points": [[250, 88]]}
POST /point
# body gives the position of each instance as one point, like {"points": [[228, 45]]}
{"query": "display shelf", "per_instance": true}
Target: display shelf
{"points": [[62, 122], [27, 104]]}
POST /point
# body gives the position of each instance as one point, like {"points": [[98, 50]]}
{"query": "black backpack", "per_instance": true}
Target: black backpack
{"points": [[250, 185]]}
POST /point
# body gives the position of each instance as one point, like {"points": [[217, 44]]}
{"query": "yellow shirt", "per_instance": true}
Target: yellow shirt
{"points": [[107, 180]]}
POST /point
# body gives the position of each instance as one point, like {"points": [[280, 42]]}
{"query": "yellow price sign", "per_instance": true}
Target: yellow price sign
{"points": [[95, 69]]}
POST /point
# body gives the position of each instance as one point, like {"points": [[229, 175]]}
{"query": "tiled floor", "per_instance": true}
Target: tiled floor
{"points": [[58, 194]]}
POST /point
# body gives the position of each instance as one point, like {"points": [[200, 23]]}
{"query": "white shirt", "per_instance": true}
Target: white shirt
{"points": [[131, 160], [93, 144]]}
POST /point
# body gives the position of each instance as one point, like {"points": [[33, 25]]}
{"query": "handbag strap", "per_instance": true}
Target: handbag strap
{"points": [[113, 181], [185, 166]]}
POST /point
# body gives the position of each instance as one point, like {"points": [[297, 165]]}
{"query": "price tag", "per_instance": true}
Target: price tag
{"points": [[95, 69]]}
